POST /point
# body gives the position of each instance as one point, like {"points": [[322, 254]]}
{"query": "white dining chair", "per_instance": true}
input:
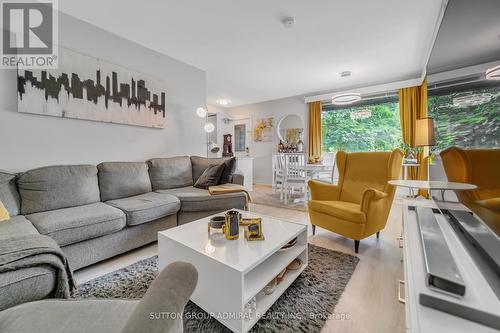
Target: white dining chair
{"points": [[278, 173], [328, 158], [330, 176], [294, 177]]}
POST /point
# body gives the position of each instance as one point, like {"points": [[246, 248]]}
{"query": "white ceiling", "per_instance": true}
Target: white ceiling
{"points": [[469, 35], [249, 56]]}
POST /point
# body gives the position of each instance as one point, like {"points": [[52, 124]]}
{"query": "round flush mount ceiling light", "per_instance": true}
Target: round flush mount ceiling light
{"points": [[468, 100], [493, 73], [361, 114], [201, 112], [209, 127], [223, 102], [346, 99]]}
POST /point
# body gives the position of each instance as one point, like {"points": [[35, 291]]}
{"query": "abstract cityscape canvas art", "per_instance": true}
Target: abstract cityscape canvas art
{"points": [[85, 87]]}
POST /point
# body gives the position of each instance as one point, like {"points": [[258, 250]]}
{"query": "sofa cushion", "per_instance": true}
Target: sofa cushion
{"points": [[227, 173], [9, 195], [170, 172], [196, 199], [341, 209], [210, 177], [200, 164], [146, 207], [56, 187], [26, 285], [72, 225], [123, 179], [16, 226]]}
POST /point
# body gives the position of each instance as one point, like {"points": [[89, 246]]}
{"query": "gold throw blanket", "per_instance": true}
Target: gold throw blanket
{"points": [[4, 213], [228, 188]]}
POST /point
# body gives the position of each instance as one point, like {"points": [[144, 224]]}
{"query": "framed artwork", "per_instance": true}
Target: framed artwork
{"points": [[263, 129], [85, 87]]}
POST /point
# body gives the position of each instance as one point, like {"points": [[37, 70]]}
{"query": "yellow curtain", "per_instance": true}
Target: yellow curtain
{"points": [[314, 132], [412, 106]]}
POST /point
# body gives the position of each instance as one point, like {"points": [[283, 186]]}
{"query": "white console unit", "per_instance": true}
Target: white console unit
{"points": [[479, 295], [244, 166]]}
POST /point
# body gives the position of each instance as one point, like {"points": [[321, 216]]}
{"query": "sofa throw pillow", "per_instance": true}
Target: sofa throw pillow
{"points": [[200, 164], [4, 214], [210, 177], [227, 174]]}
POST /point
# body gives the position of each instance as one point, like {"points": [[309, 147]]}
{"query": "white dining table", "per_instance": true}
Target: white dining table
{"points": [[312, 170]]}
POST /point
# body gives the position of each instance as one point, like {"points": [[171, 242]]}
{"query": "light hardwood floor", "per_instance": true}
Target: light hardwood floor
{"points": [[370, 298]]}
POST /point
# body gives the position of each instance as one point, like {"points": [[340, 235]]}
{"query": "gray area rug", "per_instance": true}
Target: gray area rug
{"points": [[267, 197], [304, 307]]}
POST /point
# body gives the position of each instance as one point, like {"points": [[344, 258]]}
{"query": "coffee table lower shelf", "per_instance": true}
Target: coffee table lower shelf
{"points": [[264, 302]]}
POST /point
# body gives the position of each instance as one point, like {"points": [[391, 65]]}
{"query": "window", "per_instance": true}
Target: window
{"points": [[467, 117], [373, 126], [240, 137]]}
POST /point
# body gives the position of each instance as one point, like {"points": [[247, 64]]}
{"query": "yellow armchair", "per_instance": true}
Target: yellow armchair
{"points": [[479, 167], [359, 205]]}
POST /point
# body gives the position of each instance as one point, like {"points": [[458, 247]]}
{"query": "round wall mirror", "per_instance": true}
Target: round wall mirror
{"points": [[290, 129]]}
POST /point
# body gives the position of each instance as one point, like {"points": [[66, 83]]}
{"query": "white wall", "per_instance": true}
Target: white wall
{"points": [[30, 141], [262, 151]]}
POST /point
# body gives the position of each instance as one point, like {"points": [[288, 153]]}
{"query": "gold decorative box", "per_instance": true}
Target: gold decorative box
{"points": [[253, 230], [245, 221]]}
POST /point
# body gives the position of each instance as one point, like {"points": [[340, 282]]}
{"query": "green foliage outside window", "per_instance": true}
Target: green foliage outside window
{"points": [[473, 126], [377, 127], [373, 127]]}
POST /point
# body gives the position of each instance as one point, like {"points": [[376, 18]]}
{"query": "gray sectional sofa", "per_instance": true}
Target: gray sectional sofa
{"points": [[169, 292], [97, 212]]}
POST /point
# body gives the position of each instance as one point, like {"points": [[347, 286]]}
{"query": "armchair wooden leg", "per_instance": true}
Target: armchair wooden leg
{"points": [[378, 234], [314, 229], [356, 246]]}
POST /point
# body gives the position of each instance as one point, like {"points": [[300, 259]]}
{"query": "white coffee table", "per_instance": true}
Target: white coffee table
{"points": [[232, 272]]}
